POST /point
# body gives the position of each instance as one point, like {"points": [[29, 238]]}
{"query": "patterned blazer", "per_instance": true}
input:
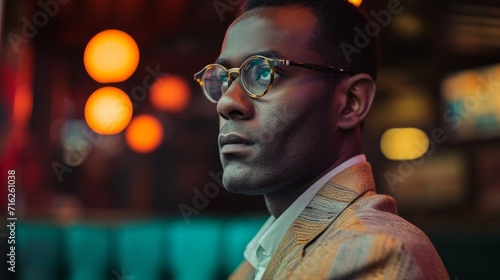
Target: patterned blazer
{"points": [[348, 231]]}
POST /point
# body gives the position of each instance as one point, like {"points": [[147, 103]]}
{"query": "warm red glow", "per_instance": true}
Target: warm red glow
{"points": [[23, 104], [170, 93]]}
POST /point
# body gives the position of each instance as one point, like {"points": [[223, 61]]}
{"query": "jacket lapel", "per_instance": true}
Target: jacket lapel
{"points": [[323, 209]]}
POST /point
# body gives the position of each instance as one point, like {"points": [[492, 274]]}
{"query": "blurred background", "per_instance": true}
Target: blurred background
{"points": [[115, 154]]}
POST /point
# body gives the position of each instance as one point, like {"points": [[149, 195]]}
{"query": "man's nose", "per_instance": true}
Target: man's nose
{"points": [[235, 103]]}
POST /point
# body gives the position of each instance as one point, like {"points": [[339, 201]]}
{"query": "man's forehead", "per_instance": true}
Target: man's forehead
{"points": [[279, 14], [266, 53], [284, 32]]}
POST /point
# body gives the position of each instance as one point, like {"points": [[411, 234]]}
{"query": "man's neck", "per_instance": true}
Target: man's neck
{"points": [[277, 202]]}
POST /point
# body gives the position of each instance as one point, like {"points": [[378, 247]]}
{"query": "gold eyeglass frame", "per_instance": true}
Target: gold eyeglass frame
{"points": [[272, 63]]}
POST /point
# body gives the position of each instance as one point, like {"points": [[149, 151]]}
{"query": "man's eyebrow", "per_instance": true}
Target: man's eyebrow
{"points": [[222, 61], [267, 53]]}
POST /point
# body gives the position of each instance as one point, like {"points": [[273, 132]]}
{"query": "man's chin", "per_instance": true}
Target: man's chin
{"points": [[239, 186]]}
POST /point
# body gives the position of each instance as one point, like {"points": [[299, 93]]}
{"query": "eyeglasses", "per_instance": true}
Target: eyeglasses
{"points": [[256, 76]]}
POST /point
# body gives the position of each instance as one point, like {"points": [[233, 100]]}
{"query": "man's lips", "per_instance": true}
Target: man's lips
{"points": [[232, 138], [233, 143]]}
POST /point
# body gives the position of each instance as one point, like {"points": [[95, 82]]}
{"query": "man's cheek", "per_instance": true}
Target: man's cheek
{"points": [[276, 124], [222, 122]]}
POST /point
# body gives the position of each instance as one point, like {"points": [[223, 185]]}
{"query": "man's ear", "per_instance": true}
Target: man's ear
{"points": [[360, 91]]}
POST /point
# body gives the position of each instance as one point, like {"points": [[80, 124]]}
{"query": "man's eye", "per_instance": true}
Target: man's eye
{"points": [[224, 81], [263, 73]]}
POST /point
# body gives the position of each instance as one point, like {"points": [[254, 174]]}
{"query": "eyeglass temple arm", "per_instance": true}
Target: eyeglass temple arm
{"points": [[315, 66]]}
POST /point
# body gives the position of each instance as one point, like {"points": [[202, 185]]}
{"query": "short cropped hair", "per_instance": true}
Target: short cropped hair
{"points": [[339, 23]]}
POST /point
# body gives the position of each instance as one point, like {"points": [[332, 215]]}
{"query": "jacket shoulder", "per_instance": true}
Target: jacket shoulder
{"points": [[369, 240]]}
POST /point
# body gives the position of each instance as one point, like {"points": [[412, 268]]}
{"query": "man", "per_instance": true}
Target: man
{"points": [[291, 104]]}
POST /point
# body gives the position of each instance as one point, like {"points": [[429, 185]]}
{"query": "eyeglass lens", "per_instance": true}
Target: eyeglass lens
{"points": [[256, 76]]}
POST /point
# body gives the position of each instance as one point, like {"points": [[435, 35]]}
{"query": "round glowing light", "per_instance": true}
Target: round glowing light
{"points": [[144, 134], [404, 143], [111, 56], [408, 25], [170, 93], [108, 110], [356, 3]]}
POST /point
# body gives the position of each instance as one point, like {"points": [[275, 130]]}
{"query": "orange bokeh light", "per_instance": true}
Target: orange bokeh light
{"points": [[144, 134], [108, 110], [111, 56], [356, 3], [170, 93]]}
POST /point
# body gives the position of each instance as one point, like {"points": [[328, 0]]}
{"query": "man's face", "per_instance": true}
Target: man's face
{"points": [[288, 136]]}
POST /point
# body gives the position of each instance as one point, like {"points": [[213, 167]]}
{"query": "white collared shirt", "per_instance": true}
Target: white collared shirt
{"points": [[262, 247]]}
